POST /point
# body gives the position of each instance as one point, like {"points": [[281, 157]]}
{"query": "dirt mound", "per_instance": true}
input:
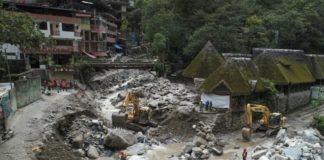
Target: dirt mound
{"points": [[175, 125], [56, 150]]}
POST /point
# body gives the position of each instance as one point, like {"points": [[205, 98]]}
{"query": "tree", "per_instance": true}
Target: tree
{"points": [[21, 30], [159, 46]]}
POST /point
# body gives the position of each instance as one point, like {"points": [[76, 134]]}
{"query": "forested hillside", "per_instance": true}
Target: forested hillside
{"points": [[184, 26]]}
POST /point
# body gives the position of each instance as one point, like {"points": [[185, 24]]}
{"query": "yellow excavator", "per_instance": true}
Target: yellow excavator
{"points": [[132, 116], [270, 122]]}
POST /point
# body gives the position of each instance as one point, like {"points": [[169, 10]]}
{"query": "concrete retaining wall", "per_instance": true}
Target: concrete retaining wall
{"points": [[28, 91], [8, 107]]}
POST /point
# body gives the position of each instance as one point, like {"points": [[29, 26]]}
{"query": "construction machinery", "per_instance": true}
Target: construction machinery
{"points": [[269, 122], [132, 116]]}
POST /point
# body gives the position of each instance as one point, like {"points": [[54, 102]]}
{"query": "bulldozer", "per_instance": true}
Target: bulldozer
{"points": [[269, 122], [132, 116]]}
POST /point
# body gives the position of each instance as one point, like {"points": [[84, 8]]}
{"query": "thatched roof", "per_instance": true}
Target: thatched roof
{"points": [[207, 61], [284, 68], [235, 74], [316, 66]]}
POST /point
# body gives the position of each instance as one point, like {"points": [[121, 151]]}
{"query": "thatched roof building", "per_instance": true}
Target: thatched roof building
{"points": [[207, 61], [284, 67], [234, 77], [316, 66]]}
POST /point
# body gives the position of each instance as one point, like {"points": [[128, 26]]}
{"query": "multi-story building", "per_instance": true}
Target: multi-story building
{"points": [[120, 7], [74, 32]]}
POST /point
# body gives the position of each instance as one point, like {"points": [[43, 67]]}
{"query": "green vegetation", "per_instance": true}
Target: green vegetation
{"points": [[232, 26]]}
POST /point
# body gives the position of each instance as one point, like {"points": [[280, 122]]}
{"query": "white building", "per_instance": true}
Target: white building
{"points": [[12, 51]]}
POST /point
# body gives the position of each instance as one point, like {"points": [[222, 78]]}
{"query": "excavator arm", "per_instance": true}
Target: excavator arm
{"points": [[264, 121], [131, 99]]}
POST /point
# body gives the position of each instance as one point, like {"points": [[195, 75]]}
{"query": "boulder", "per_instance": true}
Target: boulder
{"points": [[281, 136], [136, 149], [77, 142], [188, 148], [92, 152], [309, 135], [217, 151], [258, 154], [198, 141], [79, 152], [197, 150], [263, 158], [153, 103], [119, 139], [278, 157]]}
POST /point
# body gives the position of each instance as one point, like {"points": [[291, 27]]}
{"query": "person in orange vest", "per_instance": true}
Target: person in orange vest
{"points": [[63, 84], [244, 154], [122, 155]]}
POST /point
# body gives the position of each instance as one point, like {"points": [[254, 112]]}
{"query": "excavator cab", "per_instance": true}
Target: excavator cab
{"points": [[275, 120]]}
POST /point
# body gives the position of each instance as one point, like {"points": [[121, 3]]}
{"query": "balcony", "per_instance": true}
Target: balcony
{"points": [[60, 49], [98, 29], [112, 33], [112, 24], [111, 40]]}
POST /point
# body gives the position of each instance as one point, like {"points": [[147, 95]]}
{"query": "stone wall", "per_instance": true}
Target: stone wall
{"points": [[281, 104], [28, 91], [285, 104], [229, 121], [298, 99]]}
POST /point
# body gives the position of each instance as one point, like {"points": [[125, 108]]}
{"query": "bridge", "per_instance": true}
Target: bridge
{"points": [[123, 65], [131, 64]]}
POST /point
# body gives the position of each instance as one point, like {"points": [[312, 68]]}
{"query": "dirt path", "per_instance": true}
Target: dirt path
{"points": [[28, 126]]}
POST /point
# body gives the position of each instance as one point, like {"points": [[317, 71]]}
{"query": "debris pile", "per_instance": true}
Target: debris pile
{"points": [[85, 134], [305, 145], [204, 143]]}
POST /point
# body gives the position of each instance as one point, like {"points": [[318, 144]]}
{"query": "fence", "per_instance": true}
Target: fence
{"points": [[28, 91]]}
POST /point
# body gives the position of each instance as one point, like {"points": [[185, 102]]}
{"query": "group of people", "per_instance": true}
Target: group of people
{"points": [[207, 106], [49, 85]]}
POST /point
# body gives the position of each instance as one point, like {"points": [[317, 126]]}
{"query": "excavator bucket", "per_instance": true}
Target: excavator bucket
{"points": [[246, 133], [119, 120]]}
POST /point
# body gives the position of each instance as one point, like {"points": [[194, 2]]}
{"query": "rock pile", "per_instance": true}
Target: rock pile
{"points": [[85, 134], [306, 145], [204, 143]]}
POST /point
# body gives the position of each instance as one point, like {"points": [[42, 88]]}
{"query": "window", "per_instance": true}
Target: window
{"points": [[68, 27], [64, 42], [43, 25]]}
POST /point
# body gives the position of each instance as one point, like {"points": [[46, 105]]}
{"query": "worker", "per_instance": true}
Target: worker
{"points": [[244, 154], [201, 106], [122, 155], [210, 105], [206, 105]]}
